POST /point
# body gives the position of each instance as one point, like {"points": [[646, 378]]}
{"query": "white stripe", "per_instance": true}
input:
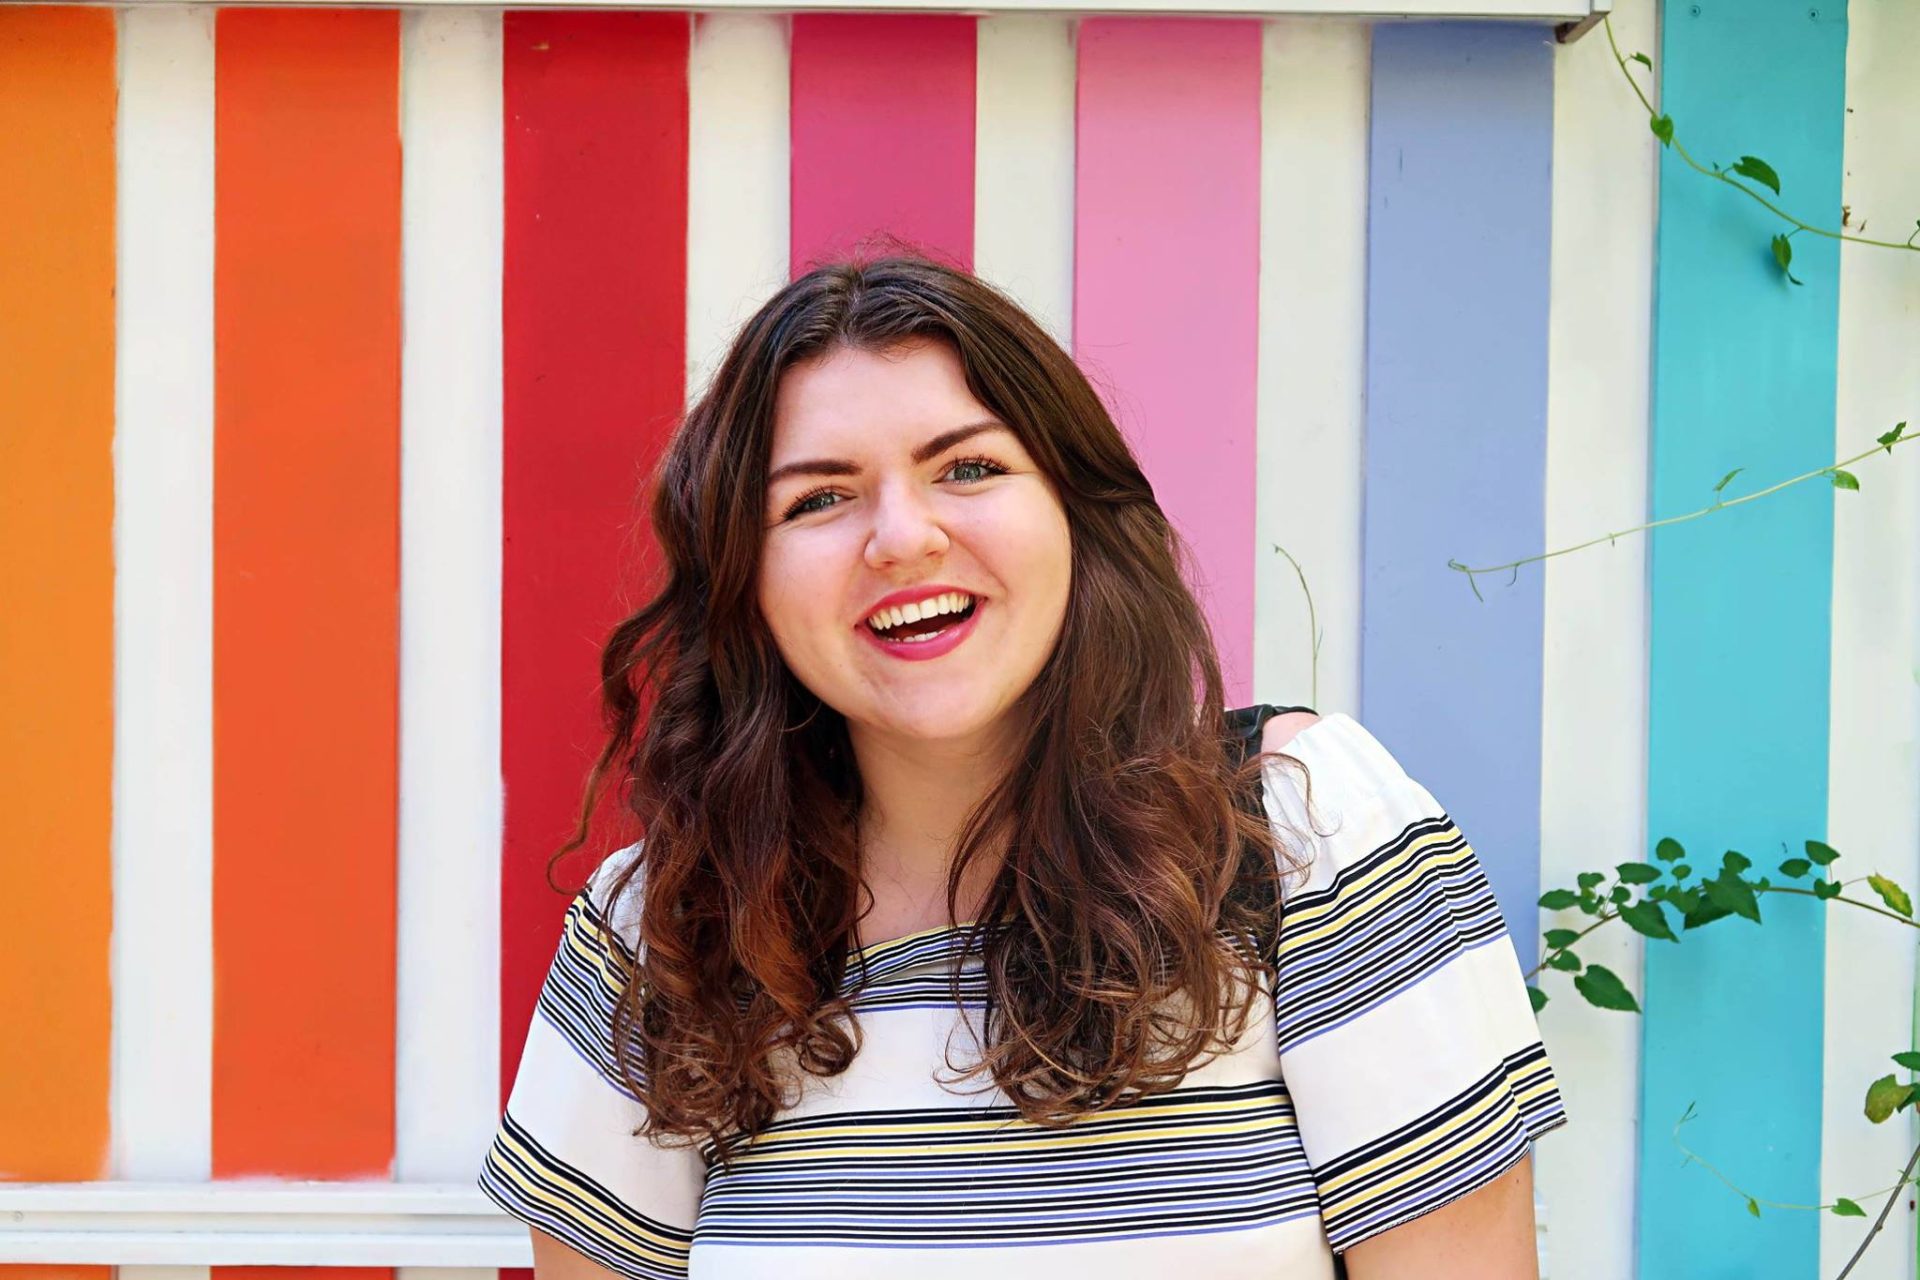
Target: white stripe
{"points": [[162, 949], [1593, 732], [1873, 796], [737, 178], [1313, 257], [447, 1064], [1023, 164]]}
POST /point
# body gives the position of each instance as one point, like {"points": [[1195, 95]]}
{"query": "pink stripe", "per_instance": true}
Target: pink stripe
{"points": [[883, 113], [1166, 281]]}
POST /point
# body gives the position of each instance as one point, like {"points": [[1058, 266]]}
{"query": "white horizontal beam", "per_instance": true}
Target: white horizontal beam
{"points": [[373, 1224], [1544, 10]]}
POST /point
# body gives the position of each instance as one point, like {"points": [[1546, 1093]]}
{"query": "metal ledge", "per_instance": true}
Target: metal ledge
{"points": [[257, 1223]]}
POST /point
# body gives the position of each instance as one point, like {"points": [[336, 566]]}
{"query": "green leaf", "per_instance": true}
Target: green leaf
{"points": [[1685, 901], [1735, 861], [1844, 479], [1662, 127], [1730, 475], [1795, 867], [1642, 59], [1759, 170], [1620, 894], [1590, 879], [1681, 871], [1603, 989], [1638, 873], [1559, 899], [1783, 255], [1845, 1208], [1826, 890], [1565, 961], [1647, 918], [1753, 1206], [1729, 892], [1908, 1059], [1668, 850], [1891, 894], [1557, 938], [1884, 1096], [1538, 997], [1899, 429], [1821, 853]]}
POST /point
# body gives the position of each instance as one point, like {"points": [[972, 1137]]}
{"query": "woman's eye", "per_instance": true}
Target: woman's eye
{"points": [[801, 505]]}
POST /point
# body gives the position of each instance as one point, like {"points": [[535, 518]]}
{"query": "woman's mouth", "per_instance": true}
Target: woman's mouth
{"points": [[928, 637]]}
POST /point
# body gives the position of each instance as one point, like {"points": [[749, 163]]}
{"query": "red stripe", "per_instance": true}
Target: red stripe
{"points": [[306, 591], [594, 315]]}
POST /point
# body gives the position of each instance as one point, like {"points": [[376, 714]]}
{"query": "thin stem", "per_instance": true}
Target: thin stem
{"points": [[1313, 628], [1599, 920], [1852, 902], [1691, 515], [1716, 174], [1881, 1221]]}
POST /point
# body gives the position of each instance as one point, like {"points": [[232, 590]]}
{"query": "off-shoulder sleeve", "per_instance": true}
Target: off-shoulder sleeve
{"points": [[1407, 1040], [565, 1158]]}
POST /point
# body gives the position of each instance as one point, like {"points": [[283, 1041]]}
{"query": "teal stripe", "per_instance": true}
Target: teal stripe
{"points": [[1739, 645]]}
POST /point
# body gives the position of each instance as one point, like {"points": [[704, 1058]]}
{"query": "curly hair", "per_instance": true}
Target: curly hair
{"points": [[1136, 908]]}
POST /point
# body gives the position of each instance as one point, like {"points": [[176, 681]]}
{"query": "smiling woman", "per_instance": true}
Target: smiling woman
{"points": [[922, 765]]}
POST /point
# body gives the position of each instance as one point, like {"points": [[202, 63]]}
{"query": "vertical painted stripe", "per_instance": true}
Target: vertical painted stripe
{"points": [[56, 578], [594, 346], [306, 591], [737, 179], [1460, 202], [1023, 164], [1312, 361], [447, 1073], [1874, 760], [1740, 633], [883, 120], [163, 447], [1166, 281], [1594, 662]]}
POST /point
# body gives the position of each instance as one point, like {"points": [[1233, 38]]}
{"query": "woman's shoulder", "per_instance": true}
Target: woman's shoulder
{"points": [[620, 911]]}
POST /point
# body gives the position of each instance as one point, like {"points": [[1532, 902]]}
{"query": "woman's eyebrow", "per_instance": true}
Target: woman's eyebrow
{"points": [[922, 453]]}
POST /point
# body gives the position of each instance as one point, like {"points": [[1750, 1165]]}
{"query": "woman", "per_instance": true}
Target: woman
{"points": [[953, 941]]}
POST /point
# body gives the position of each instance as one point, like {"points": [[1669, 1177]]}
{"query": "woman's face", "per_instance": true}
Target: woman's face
{"points": [[886, 497]]}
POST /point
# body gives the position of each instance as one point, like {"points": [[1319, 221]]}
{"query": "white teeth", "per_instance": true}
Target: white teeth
{"points": [[950, 602]]}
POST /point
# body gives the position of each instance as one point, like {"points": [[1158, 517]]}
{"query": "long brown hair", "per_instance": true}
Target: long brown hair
{"points": [[1136, 905]]}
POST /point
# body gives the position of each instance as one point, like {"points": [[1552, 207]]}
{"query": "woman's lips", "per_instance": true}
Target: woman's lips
{"points": [[921, 650]]}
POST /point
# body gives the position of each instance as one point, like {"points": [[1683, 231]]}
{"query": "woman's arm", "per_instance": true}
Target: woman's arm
{"points": [[1487, 1234], [555, 1261]]}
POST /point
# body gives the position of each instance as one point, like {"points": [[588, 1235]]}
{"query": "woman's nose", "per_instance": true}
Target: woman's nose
{"points": [[905, 527]]}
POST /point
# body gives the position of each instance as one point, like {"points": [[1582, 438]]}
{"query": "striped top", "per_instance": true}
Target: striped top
{"points": [[1401, 1069]]}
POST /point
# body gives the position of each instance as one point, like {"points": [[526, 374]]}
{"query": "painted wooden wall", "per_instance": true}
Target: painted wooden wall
{"points": [[333, 344]]}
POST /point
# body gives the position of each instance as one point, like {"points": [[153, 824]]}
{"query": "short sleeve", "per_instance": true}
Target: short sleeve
{"points": [[1407, 1040], [565, 1158]]}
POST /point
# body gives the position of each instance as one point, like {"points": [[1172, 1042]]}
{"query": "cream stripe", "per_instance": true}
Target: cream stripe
{"points": [[1313, 225], [1023, 164], [737, 171], [447, 1096], [1593, 734], [163, 657], [1873, 796]]}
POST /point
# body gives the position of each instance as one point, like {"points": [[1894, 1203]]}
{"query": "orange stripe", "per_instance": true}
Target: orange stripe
{"points": [[306, 590], [56, 592]]}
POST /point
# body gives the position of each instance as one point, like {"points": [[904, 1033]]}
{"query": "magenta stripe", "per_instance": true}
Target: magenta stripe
{"points": [[1166, 281], [883, 111]]}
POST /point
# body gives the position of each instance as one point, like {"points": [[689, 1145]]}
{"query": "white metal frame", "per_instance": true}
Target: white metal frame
{"points": [[1554, 10]]}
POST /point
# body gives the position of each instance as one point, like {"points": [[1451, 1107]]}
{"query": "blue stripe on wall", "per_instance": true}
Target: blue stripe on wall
{"points": [[1459, 209], [1737, 759]]}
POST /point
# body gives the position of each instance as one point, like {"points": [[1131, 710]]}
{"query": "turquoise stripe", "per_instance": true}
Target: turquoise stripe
{"points": [[1460, 174], [1739, 646]]}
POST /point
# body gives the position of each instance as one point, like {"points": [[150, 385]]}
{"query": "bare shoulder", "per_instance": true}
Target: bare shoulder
{"points": [[1279, 729]]}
